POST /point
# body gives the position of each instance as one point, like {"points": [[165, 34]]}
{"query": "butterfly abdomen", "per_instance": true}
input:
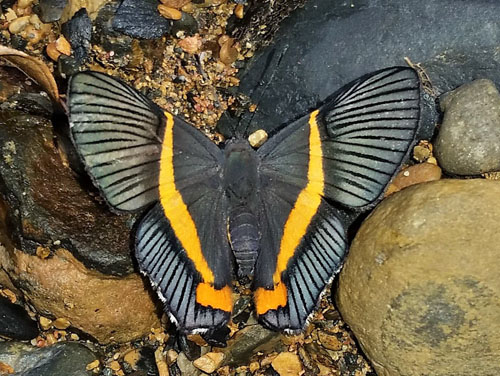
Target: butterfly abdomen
{"points": [[244, 237]]}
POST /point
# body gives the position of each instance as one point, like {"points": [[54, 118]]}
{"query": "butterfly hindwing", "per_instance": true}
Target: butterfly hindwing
{"points": [[346, 151], [137, 156]]}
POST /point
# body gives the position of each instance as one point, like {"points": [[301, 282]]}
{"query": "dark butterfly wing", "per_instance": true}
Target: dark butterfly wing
{"points": [[347, 151], [371, 124], [117, 133], [138, 155]]}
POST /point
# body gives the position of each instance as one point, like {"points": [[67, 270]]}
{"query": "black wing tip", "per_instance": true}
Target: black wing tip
{"points": [[277, 321]]}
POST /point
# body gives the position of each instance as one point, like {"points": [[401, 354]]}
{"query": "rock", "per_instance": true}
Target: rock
{"points": [[15, 322], [50, 10], [326, 44], [186, 366], [246, 342], [78, 31], [47, 206], [468, 142], [416, 174], [60, 359], [329, 341], [187, 24], [287, 363], [146, 363], [120, 309], [140, 19], [420, 288], [123, 50], [92, 7], [209, 362]]}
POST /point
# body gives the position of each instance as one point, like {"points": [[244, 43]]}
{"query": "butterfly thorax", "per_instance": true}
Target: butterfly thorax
{"points": [[241, 188]]}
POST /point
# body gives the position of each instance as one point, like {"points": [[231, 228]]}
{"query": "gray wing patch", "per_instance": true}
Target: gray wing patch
{"points": [[370, 126], [116, 131]]}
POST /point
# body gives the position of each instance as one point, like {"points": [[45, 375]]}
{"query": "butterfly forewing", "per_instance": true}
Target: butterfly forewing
{"points": [[138, 155]]}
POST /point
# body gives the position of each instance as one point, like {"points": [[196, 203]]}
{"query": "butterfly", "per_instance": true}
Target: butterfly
{"points": [[269, 213]]}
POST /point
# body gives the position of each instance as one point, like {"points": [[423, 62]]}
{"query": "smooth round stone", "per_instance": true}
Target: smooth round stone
{"points": [[421, 288], [468, 142]]}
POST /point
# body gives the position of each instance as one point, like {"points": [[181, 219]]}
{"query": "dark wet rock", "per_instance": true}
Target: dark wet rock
{"points": [[258, 13], [60, 359], [140, 19], [68, 65], [47, 204], [18, 42], [78, 32], [15, 322], [31, 103], [420, 288], [50, 10], [468, 142], [325, 45], [246, 342], [187, 24], [123, 50], [146, 366], [106, 36]]}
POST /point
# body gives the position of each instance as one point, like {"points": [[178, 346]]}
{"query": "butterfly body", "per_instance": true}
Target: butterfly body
{"points": [[272, 211]]}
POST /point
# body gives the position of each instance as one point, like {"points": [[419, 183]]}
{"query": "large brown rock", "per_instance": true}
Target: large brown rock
{"points": [[61, 247], [110, 309], [421, 288]]}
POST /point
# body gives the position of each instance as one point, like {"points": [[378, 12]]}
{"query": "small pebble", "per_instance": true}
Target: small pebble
{"points": [[171, 356], [257, 138], [63, 46], [19, 24], [287, 364], [32, 35], [238, 11], [209, 362], [228, 52], [161, 362], [132, 357], [422, 151], [329, 341], [24, 3], [52, 51], [45, 323], [9, 295], [114, 365], [42, 252], [6, 369], [177, 4], [93, 365], [169, 13], [191, 45], [420, 173], [62, 323]]}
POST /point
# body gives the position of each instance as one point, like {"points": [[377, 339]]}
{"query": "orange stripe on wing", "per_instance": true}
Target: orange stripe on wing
{"points": [[184, 227], [298, 221]]}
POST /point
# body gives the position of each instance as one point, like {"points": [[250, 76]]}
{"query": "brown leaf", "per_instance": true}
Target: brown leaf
{"points": [[34, 68]]}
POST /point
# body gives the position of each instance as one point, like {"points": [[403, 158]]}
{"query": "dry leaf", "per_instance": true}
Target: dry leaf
{"points": [[34, 68]]}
